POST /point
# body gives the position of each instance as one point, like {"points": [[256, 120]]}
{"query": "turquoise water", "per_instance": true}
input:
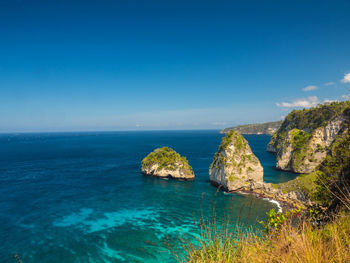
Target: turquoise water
{"points": [[80, 197]]}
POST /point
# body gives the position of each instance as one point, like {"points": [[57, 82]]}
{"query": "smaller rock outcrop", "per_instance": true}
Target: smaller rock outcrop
{"points": [[235, 167], [167, 163]]}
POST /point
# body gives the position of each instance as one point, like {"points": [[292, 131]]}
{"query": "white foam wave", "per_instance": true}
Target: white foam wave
{"points": [[276, 203]]}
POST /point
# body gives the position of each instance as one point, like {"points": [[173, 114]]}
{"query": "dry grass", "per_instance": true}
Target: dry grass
{"points": [[304, 244], [297, 240]]}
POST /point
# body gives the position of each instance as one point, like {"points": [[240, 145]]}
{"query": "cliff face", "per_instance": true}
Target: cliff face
{"points": [[165, 162], [235, 167], [304, 139]]}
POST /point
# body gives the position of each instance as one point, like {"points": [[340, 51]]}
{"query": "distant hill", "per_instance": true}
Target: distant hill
{"points": [[258, 128]]}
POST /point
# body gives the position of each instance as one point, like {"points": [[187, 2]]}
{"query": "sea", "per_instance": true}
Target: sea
{"points": [[80, 196]]}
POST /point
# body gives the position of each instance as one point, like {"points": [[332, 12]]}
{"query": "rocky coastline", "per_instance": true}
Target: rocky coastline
{"points": [[307, 144]]}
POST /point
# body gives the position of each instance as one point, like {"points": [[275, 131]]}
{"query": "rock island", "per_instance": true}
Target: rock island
{"points": [[166, 163], [235, 167]]}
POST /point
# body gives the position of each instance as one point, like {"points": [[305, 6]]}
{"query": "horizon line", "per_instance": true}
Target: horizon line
{"points": [[104, 131]]}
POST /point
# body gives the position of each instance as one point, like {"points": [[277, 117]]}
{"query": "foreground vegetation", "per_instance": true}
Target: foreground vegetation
{"points": [[301, 243], [315, 235]]}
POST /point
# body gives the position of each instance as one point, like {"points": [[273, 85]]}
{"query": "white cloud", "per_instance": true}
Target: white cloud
{"points": [[346, 97], [304, 102], [331, 83], [346, 78], [310, 88], [329, 101]]}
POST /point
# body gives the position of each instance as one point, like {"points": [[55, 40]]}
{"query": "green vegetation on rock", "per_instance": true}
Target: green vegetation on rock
{"points": [[314, 117], [300, 142], [165, 158], [334, 172], [305, 184], [232, 137], [299, 138]]}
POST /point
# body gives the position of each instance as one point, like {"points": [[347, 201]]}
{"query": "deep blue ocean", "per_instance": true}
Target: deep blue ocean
{"points": [[80, 197]]}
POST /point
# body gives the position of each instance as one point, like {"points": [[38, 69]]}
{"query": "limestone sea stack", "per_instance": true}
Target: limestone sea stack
{"points": [[235, 167], [166, 163]]}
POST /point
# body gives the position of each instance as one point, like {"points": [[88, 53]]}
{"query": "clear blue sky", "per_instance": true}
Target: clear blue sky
{"points": [[143, 65]]}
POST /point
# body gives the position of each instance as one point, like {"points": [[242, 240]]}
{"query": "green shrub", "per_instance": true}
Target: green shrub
{"points": [[334, 172], [275, 220]]}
